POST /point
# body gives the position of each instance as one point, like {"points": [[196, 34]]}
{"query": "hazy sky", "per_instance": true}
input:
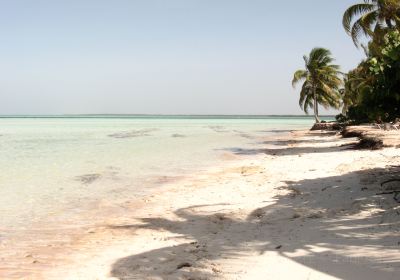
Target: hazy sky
{"points": [[166, 56]]}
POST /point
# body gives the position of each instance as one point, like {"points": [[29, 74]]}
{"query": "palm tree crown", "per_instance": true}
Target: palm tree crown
{"points": [[321, 81], [370, 16]]}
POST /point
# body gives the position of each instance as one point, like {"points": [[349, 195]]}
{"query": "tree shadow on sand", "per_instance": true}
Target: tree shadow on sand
{"points": [[287, 151], [296, 221], [286, 142], [288, 147]]}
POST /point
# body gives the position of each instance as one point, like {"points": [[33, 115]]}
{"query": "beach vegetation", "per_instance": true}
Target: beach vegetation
{"points": [[371, 91]]}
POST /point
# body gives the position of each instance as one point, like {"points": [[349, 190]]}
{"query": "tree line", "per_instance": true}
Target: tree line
{"points": [[370, 91]]}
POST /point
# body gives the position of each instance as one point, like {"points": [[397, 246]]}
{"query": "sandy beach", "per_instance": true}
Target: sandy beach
{"points": [[308, 207], [195, 140]]}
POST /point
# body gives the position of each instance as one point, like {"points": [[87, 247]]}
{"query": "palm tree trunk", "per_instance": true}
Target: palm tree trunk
{"points": [[317, 120]]}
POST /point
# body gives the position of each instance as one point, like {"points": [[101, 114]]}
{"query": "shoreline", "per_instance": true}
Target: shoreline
{"points": [[307, 209], [34, 250]]}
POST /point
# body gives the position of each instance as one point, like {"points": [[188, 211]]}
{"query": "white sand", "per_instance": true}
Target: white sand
{"points": [[307, 210]]}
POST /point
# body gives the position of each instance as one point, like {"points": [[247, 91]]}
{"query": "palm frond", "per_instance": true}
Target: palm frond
{"points": [[355, 11], [299, 76]]}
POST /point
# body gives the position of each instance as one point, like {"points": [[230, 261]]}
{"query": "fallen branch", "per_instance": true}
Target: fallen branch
{"points": [[395, 197], [390, 181], [393, 192]]}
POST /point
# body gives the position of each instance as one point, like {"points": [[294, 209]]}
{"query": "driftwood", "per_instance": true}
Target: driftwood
{"points": [[396, 193], [182, 265], [395, 197], [392, 192], [390, 181]]}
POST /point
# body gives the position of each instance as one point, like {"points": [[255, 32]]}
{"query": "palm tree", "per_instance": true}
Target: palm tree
{"points": [[370, 17], [321, 82], [357, 83]]}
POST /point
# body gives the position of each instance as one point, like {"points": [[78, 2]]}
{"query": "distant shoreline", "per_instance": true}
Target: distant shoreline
{"points": [[156, 116]]}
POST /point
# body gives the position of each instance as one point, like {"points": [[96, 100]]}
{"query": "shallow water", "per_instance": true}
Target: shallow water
{"points": [[52, 168]]}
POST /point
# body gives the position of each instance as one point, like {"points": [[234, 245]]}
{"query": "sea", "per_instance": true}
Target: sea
{"points": [[54, 168]]}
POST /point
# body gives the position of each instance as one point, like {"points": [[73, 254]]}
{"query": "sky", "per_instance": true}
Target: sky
{"points": [[163, 56]]}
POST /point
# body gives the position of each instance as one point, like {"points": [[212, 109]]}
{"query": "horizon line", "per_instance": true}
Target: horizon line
{"points": [[153, 115]]}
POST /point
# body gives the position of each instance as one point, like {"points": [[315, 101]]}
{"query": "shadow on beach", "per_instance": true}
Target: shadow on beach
{"points": [[292, 147], [313, 213]]}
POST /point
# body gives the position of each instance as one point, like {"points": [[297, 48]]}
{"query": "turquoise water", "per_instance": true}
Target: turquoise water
{"points": [[55, 165]]}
